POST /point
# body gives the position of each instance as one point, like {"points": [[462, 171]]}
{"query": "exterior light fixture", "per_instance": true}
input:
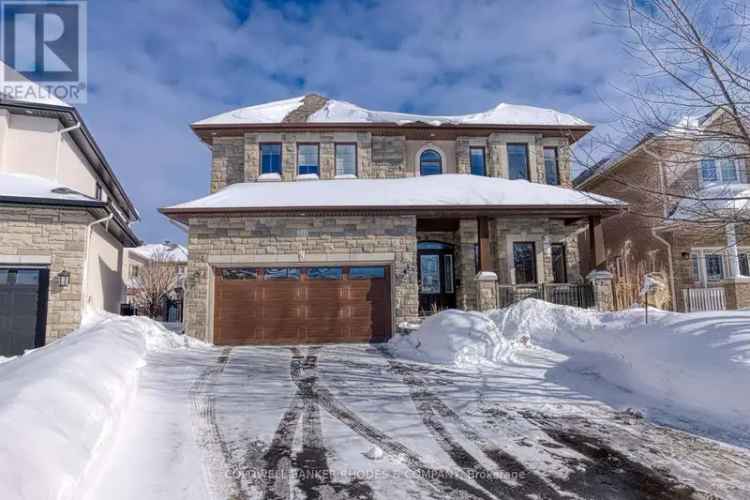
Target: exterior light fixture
{"points": [[63, 279]]}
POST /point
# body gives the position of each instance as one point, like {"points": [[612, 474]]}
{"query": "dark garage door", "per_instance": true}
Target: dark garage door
{"points": [[23, 309], [295, 305]]}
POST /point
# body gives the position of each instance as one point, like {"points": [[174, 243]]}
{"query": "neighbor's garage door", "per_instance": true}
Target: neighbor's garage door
{"points": [[294, 305], [23, 309]]}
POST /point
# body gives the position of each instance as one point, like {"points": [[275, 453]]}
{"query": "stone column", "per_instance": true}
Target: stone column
{"points": [[603, 292], [486, 282]]}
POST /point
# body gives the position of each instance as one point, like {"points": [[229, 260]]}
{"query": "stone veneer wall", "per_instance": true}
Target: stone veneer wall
{"points": [[58, 234], [543, 232], [237, 159], [246, 240]]}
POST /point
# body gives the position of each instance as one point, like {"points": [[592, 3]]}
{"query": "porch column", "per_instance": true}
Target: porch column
{"points": [[732, 253], [467, 239], [596, 244], [483, 229]]}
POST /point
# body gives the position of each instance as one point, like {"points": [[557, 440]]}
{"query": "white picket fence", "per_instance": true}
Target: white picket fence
{"points": [[704, 299]]}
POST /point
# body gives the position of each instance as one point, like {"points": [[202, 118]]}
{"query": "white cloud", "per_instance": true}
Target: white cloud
{"points": [[155, 67]]}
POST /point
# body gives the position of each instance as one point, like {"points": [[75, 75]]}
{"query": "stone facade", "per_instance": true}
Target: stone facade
{"points": [[54, 235], [300, 241], [237, 158], [542, 232]]}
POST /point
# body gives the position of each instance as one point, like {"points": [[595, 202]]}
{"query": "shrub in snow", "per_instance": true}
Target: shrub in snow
{"points": [[61, 403], [453, 337]]}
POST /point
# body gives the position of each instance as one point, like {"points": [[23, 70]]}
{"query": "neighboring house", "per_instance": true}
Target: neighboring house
{"points": [[136, 263], [327, 222], [705, 260], [64, 222]]}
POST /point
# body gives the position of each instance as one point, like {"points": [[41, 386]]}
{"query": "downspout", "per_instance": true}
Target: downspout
{"points": [[86, 243], [57, 147], [667, 244]]}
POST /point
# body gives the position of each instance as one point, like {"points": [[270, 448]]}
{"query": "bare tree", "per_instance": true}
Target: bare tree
{"points": [[687, 105], [156, 280]]}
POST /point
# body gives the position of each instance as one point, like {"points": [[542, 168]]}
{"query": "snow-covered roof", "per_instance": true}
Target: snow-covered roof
{"points": [[720, 202], [33, 93], [644, 132], [450, 190], [172, 252], [324, 110], [32, 187]]}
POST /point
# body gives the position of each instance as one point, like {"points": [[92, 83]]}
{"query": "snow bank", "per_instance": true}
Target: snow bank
{"points": [[697, 362], [62, 402], [453, 337]]}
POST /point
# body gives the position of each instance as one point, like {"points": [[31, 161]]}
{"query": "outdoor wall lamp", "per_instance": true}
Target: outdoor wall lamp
{"points": [[685, 255], [63, 279]]}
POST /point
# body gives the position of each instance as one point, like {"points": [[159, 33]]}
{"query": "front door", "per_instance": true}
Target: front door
{"points": [[23, 309], [437, 289]]}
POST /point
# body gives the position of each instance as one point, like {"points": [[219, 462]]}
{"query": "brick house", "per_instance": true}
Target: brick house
{"points": [[326, 222], [64, 223], [706, 261]]}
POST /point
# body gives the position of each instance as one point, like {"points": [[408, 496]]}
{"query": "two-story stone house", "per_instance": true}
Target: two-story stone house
{"points": [[64, 223], [330, 222], [691, 240]]}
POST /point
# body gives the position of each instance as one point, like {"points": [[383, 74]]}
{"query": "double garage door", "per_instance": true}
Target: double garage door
{"points": [[301, 305]]}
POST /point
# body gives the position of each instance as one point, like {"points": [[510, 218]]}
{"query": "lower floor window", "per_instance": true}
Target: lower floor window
{"points": [[559, 266], [714, 267], [524, 262]]}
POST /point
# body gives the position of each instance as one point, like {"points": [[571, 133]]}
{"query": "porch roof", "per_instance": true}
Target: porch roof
{"points": [[436, 194]]}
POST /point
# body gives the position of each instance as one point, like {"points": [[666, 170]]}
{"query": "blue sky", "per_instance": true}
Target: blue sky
{"points": [[157, 66]]}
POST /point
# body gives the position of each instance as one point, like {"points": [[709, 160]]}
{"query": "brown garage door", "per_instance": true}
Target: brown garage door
{"points": [[294, 305]]}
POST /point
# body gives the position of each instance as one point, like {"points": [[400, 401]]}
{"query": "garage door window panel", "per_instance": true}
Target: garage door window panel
{"points": [[282, 273], [366, 273], [239, 274], [325, 273]]}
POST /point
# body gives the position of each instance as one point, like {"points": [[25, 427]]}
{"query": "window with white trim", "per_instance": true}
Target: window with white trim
{"points": [[720, 164]]}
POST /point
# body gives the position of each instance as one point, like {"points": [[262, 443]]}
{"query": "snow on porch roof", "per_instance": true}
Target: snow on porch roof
{"points": [[316, 109], [436, 191], [32, 188]]}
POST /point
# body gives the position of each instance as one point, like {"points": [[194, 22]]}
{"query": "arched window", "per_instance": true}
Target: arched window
{"points": [[430, 163]]}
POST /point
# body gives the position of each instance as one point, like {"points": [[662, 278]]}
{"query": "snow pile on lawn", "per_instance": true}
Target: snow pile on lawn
{"points": [[455, 338], [61, 403], [698, 363]]}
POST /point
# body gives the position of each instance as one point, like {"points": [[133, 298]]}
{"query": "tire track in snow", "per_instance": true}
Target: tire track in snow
{"points": [[442, 481], [430, 407], [209, 435]]}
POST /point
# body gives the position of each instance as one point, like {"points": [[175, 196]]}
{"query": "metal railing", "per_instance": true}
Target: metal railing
{"points": [[567, 294], [704, 299]]}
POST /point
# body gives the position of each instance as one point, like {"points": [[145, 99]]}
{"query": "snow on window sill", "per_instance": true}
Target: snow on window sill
{"points": [[269, 177], [307, 177], [346, 176]]}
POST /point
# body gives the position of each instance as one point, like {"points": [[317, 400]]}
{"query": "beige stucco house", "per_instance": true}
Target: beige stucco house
{"points": [[329, 222], [64, 223]]}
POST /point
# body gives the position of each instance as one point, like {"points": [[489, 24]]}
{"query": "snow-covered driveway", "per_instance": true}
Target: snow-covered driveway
{"points": [[352, 422]]}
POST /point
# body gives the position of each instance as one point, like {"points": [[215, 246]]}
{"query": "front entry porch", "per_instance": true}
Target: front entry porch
{"points": [[472, 263]]}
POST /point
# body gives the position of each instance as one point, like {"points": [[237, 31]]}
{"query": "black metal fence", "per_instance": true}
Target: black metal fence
{"points": [[563, 294]]}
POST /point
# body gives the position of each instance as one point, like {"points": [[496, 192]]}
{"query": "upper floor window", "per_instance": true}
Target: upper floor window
{"points": [[551, 166], [518, 161], [308, 159], [476, 158], [98, 193], [346, 160], [270, 158], [430, 163], [720, 164]]}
